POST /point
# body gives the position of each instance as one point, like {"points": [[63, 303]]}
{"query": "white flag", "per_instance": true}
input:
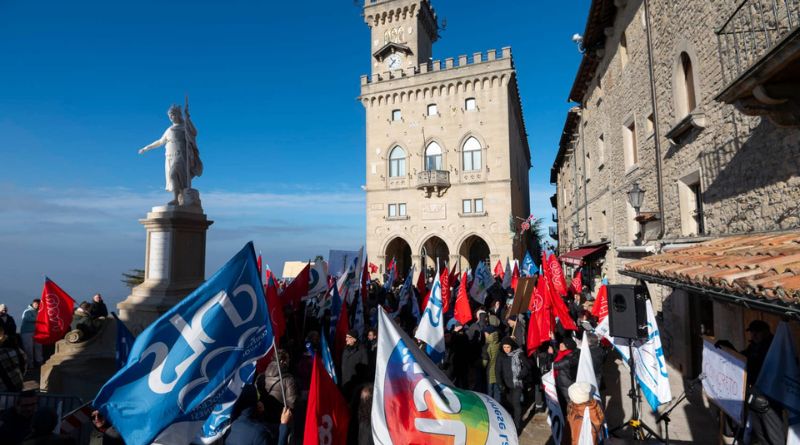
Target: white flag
{"points": [[555, 418], [415, 403], [318, 279], [483, 279], [350, 279], [431, 328], [650, 366], [586, 437], [586, 368]]}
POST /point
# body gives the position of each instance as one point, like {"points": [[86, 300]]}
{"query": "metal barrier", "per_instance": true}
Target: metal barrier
{"points": [[753, 29], [68, 403]]}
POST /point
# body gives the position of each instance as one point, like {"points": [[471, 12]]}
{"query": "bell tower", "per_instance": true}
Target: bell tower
{"points": [[403, 32]]}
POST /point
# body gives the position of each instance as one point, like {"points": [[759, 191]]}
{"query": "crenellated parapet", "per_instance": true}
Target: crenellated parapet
{"points": [[437, 66]]}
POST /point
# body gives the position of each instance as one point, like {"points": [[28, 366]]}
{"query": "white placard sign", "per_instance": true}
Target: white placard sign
{"points": [[725, 379]]}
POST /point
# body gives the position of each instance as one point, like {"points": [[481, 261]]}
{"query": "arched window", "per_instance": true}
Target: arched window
{"points": [[472, 154], [433, 157], [689, 99], [397, 162]]}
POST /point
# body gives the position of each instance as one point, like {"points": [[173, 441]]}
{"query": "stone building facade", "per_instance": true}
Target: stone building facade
{"points": [[697, 103], [447, 154]]}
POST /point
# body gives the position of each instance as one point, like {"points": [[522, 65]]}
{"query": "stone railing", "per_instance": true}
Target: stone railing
{"points": [[438, 65], [754, 28], [433, 181]]}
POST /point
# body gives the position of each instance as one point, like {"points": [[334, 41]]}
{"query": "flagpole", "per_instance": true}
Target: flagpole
{"points": [[280, 374]]}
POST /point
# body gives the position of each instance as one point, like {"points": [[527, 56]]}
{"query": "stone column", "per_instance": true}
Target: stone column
{"points": [[174, 263]]}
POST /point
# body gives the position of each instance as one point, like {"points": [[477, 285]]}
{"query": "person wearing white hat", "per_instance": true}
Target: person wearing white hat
{"points": [[580, 399]]}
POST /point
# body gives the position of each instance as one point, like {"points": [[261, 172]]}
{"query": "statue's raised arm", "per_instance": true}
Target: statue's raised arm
{"points": [[182, 157]]}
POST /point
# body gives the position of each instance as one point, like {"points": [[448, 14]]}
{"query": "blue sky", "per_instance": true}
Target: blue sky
{"points": [[272, 87]]}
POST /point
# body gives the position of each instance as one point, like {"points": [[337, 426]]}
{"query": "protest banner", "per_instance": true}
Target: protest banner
{"points": [[725, 379]]}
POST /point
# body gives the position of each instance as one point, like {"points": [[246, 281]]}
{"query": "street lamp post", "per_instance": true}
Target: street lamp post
{"points": [[635, 198]]}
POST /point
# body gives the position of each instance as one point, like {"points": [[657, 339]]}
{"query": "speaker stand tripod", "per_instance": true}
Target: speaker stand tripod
{"points": [[641, 431]]}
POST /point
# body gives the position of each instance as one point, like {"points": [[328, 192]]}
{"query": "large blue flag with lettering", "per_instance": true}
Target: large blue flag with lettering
{"points": [[186, 370]]}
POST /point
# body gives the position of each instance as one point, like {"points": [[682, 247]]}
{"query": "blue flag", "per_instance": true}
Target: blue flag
{"points": [[186, 370], [336, 309], [779, 378], [124, 343], [327, 360], [528, 268], [391, 273]]}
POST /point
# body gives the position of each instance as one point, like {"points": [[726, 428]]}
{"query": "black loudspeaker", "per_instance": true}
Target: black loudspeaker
{"points": [[627, 315]]}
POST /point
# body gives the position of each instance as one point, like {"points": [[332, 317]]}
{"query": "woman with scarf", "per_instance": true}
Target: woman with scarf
{"points": [[512, 370]]}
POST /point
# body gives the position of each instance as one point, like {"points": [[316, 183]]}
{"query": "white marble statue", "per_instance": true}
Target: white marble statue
{"points": [[182, 160]]}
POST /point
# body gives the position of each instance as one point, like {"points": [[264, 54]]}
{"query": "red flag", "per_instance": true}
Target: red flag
{"points": [[540, 325], [298, 288], [342, 327], [421, 283], [327, 414], [463, 311], [275, 306], [556, 275], [259, 265], [600, 308], [373, 268], [576, 285], [55, 314], [560, 309], [445, 282], [515, 277], [499, 271], [425, 301]]}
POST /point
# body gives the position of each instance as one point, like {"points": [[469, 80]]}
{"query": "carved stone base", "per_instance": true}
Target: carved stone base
{"points": [[174, 263], [81, 369]]}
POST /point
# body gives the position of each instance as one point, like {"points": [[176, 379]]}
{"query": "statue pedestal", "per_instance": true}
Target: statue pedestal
{"points": [[174, 263], [82, 368]]}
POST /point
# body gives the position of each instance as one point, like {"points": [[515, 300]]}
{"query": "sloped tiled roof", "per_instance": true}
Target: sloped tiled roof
{"points": [[762, 266]]}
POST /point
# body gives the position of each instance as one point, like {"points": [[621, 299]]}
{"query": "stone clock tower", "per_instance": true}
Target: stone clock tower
{"points": [[447, 154], [403, 33]]}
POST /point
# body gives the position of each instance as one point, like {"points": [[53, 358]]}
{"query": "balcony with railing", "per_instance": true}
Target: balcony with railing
{"points": [[759, 49], [433, 181], [553, 232]]}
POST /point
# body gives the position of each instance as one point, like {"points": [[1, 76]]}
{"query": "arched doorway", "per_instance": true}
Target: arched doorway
{"points": [[474, 250], [399, 250], [434, 249]]}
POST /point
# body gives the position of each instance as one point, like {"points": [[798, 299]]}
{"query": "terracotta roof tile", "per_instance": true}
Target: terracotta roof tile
{"points": [[764, 265]]}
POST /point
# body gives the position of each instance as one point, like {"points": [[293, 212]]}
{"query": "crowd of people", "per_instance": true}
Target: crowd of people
{"points": [[487, 354]]}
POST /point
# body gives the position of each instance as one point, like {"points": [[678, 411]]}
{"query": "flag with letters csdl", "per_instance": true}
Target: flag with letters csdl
{"points": [[415, 403], [186, 370]]}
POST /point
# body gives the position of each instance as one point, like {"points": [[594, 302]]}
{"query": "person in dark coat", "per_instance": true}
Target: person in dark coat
{"points": [[512, 370], [355, 364], [565, 369], [15, 422], [274, 385], [42, 425], [7, 321], [765, 414], [98, 307]]}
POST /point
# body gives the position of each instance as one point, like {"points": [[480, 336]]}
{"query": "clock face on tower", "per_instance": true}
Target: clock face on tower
{"points": [[394, 61]]}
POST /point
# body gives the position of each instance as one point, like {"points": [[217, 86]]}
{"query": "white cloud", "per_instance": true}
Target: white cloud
{"points": [[84, 238]]}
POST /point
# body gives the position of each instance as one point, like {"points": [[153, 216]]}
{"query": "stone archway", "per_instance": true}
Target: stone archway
{"points": [[473, 250], [432, 250], [400, 250]]}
